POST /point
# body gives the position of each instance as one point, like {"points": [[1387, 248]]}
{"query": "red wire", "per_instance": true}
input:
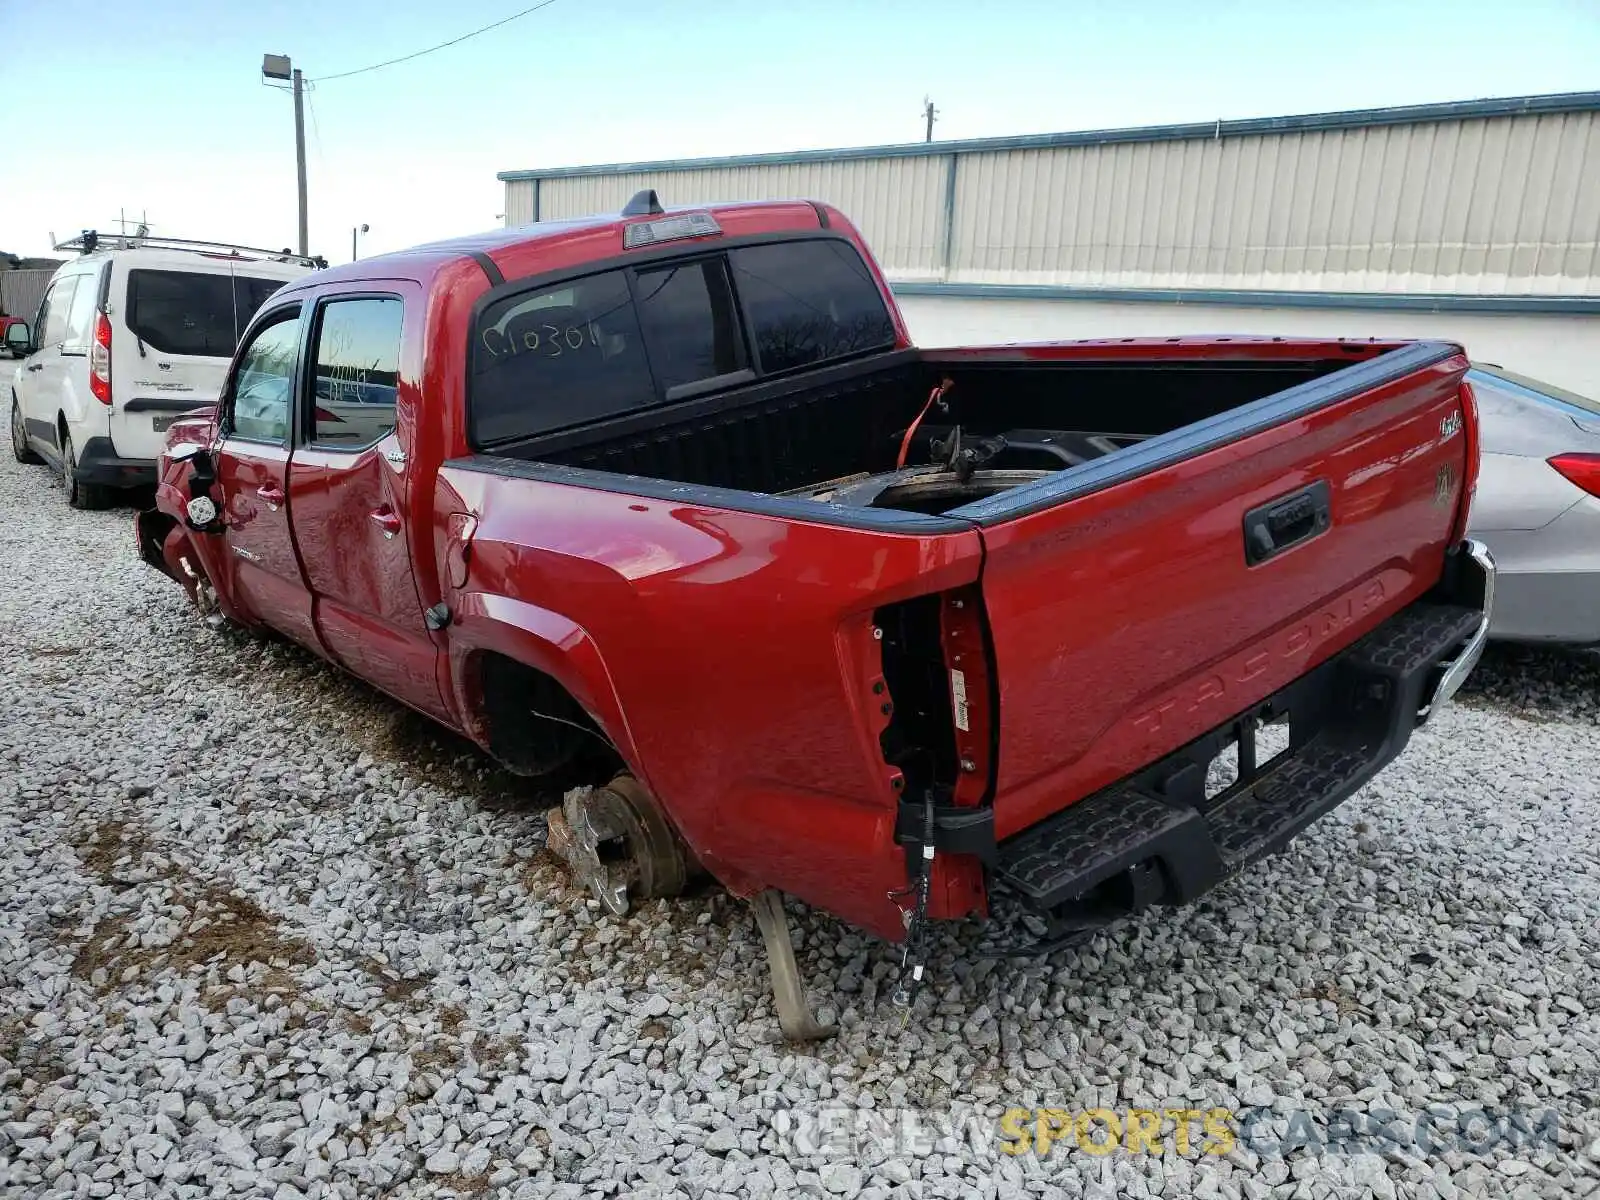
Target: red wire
{"points": [[905, 442]]}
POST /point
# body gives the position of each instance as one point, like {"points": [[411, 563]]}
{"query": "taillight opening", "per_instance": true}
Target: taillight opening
{"points": [[100, 360], [1580, 469], [920, 737]]}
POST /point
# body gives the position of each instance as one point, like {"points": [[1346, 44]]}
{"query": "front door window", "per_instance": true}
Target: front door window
{"points": [[264, 382]]}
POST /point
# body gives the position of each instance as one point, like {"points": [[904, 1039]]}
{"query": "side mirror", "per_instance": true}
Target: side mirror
{"points": [[19, 338]]}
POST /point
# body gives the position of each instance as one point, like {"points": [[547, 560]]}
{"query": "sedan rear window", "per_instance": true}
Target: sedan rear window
{"points": [[187, 312], [1510, 380]]}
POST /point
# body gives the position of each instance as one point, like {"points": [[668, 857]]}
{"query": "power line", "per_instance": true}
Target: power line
{"points": [[453, 41], [316, 131]]}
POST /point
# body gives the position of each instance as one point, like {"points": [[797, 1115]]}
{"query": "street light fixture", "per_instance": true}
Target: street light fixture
{"points": [[355, 232], [278, 66]]}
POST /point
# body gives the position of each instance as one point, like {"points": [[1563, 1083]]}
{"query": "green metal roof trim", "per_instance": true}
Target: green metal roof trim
{"points": [[1455, 110]]}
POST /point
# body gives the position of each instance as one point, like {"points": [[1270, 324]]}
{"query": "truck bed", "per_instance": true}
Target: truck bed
{"points": [[804, 435], [1099, 569]]}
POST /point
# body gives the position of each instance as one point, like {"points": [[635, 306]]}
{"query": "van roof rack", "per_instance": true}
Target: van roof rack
{"points": [[91, 240]]}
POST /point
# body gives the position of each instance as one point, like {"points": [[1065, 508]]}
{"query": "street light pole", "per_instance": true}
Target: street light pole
{"points": [[277, 66], [300, 154]]}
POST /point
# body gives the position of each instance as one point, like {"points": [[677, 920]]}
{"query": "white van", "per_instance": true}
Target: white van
{"points": [[132, 334]]}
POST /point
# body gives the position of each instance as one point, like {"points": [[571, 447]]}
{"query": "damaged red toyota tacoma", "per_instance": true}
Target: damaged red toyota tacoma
{"points": [[667, 503]]}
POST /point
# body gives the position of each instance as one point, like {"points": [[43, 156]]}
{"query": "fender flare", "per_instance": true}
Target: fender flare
{"points": [[542, 639]]}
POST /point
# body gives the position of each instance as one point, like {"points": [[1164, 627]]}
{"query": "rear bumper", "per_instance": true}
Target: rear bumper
{"points": [[100, 465], [1548, 588], [1472, 585], [1158, 838]]}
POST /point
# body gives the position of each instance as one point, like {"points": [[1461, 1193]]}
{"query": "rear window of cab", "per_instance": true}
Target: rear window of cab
{"points": [[619, 341]]}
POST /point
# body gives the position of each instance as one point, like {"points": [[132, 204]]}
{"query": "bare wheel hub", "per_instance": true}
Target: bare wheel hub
{"points": [[616, 842]]}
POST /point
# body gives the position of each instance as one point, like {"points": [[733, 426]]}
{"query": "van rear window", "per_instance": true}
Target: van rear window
{"points": [[624, 340], [187, 312]]}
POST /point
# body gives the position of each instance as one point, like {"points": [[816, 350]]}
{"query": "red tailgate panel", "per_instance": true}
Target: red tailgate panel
{"points": [[1126, 621]]}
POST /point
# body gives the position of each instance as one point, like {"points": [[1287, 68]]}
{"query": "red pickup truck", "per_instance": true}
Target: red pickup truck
{"points": [[669, 504], [5, 324]]}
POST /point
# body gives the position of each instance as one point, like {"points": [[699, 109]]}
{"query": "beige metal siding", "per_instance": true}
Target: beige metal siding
{"points": [[22, 291], [1495, 206], [519, 201], [898, 203], [1499, 204]]}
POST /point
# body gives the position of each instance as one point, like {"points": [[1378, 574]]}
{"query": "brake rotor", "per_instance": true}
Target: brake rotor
{"points": [[617, 842]]}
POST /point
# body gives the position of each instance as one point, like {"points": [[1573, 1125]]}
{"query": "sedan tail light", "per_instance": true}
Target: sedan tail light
{"points": [[100, 360], [1581, 469]]}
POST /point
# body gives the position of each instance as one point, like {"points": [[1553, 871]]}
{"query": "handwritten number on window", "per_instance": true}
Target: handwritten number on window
{"points": [[573, 337]]}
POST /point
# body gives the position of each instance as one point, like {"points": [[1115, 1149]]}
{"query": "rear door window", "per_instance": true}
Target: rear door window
{"points": [[189, 312], [80, 316], [357, 369], [549, 359], [52, 325], [808, 302]]}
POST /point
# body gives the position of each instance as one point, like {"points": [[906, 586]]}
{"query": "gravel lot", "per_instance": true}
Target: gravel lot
{"points": [[262, 933]]}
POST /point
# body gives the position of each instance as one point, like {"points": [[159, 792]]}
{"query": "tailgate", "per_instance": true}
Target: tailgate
{"points": [[1126, 615]]}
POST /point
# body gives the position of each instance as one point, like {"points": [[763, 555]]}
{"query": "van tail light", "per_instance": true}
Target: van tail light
{"points": [[100, 360], [1474, 451], [1581, 469]]}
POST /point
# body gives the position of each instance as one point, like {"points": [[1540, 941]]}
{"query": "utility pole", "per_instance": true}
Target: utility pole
{"points": [[300, 153], [277, 66], [928, 112]]}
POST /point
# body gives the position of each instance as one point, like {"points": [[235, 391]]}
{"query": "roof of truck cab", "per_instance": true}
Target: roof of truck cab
{"points": [[523, 250]]}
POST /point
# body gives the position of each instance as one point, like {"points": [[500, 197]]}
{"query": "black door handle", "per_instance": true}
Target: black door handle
{"points": [[1273, 527], [35, 366]]}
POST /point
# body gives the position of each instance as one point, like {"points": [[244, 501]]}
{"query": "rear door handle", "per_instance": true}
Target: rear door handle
{"points": [[35, 366], [387, 520], [1275, 526], [271, 495]]}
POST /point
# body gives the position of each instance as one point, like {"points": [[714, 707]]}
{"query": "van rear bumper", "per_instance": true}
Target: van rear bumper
{"points": [[1157, 837], [100, 466]]}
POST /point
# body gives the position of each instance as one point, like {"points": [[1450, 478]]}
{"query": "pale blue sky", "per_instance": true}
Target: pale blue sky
{"points": [[158, 104]]}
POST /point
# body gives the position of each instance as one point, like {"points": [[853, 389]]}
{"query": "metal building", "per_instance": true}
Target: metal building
{"points": [[1476, 220], [22, 291]]}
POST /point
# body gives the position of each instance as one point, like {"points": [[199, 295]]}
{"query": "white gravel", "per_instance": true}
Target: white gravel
{"points": [[262, 933]]}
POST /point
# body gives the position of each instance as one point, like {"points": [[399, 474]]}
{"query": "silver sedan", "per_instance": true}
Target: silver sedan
{"points": [[1537, 507]]}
